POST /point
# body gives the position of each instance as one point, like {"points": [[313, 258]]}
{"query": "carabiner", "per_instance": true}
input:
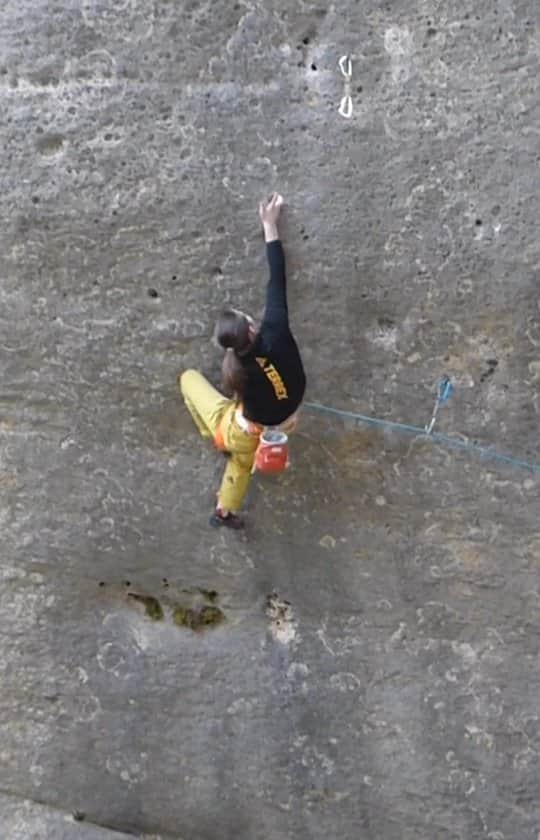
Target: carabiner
{"points": [[345, 60], [445, 389], [346, 107]]}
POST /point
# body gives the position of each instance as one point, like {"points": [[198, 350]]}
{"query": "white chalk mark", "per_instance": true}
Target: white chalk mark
{"points": [[345, 681], [283, 625], [399, 44]]}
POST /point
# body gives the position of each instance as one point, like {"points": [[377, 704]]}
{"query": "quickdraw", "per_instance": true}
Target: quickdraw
{"points": [[444, 392], [346, 105]]}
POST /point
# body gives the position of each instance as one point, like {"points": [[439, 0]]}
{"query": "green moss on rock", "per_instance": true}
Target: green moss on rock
{"points": [[197, 619], [183, 616], [210, 616], [152, 607]]}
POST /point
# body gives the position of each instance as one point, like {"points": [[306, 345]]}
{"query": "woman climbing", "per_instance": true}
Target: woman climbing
{"points": [[263, 373]]}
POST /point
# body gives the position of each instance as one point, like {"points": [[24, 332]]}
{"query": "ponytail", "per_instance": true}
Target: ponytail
{"points": [[232, 331], [233, 375]]}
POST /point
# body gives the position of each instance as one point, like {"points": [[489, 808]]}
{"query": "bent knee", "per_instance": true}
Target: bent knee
{"points": [[184, 379]]}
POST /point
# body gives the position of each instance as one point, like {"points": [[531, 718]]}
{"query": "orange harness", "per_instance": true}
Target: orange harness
{"points": [[219, 438], [221, 432]]}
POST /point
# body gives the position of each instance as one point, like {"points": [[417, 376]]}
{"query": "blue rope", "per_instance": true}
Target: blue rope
{"points": [[484, 451]]}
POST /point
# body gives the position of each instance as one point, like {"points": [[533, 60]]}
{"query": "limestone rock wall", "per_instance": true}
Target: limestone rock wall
{"points": [[376, 674]]}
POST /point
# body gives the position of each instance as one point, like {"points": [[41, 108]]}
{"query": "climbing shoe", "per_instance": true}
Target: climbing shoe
{"points": [[217, 520]]}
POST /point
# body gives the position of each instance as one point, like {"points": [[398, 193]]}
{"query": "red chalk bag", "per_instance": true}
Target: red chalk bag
{"points": [[272, 454]]}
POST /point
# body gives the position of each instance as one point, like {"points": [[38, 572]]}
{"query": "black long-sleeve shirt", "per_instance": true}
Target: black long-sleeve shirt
{"points": [[275, 378]]}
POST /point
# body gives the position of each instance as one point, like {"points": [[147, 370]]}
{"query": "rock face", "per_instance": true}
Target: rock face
{"points": [[374, 669]]}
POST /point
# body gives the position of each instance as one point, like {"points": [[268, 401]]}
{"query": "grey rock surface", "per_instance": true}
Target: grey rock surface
{"points": [[377, 673], [23, 819]]}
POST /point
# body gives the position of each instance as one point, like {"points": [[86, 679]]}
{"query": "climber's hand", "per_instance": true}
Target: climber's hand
{"points": [[270, 210]]}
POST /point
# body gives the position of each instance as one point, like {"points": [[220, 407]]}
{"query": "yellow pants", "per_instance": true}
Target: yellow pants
{"points": [[208, 408]]}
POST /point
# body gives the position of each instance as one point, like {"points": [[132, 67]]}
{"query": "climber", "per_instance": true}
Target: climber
{"points": [[262, 374]]}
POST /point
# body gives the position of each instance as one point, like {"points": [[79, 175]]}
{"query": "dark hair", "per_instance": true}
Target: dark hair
{"points": [[232, 330], [233, 375]]}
